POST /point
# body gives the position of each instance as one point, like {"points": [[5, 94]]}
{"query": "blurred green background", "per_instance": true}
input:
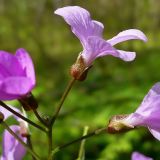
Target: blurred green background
{"points": [[112, 86]]}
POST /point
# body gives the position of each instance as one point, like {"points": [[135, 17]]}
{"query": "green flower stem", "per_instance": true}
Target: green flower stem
{"points": [[29, 143], [53, 119], [94, 133], [50, 143], [22, 117], [19, 139], [82, 150]]}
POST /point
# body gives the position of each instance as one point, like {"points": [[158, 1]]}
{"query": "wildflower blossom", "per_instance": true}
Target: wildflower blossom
{"points": [[17, 77], [12, 148], [139, 156], [89, 32], [147, 115]]}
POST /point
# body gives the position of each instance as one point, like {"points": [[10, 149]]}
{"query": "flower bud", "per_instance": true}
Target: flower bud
{"points": [[24, 132], [79, 70], [28, 102], [118, 125], [24, 129], [1, 117]]}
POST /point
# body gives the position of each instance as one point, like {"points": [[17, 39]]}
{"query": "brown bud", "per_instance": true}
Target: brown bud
{"points": [[1, 117], [79, 70], [117, 124], [28, 102]]}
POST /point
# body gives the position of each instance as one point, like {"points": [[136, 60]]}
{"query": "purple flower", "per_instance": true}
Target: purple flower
{"points": [[17, 77], [148, 112], [89, 32], [139, 156], [146, 115], [13, 149]]}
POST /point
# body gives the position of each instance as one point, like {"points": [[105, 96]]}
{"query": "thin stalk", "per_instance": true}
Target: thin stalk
{"points": [[22, 117], [50, 144], [94, 133], [81, 153], [19, 139], [29, 143], [39, 117], [62, 101]]}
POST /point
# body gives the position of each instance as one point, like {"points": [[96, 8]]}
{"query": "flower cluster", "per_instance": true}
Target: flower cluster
{"points": [[17, 79]]}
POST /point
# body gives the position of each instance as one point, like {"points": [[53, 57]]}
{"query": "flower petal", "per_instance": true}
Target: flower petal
{"points": [[20, 151], [150, 99], [15, 87], [81, 24], [139, 156], [128, 35], [155, 133], [9, 65], [26, 63], [126, 55], [11, 146], [97, 47], [5, 96], [146, 115]]}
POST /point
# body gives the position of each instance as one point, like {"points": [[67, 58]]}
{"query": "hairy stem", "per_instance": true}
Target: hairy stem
{"points": [[22, 117], [19, 139]]}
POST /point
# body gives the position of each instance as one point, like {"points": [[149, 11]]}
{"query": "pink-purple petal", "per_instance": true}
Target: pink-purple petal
{"points": [[97, 28], [128, 35], [146, 104], [139, 156], [20, 151], [155, 133], [96, 47], [126, 55], [26, 63], [16, 86], [10, 65], [5, 96], [81, 24]]}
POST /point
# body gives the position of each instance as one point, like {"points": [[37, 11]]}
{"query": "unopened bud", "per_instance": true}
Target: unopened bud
{"points": [[118, 125], [79, 70], [28, 102], [1, 117]]}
